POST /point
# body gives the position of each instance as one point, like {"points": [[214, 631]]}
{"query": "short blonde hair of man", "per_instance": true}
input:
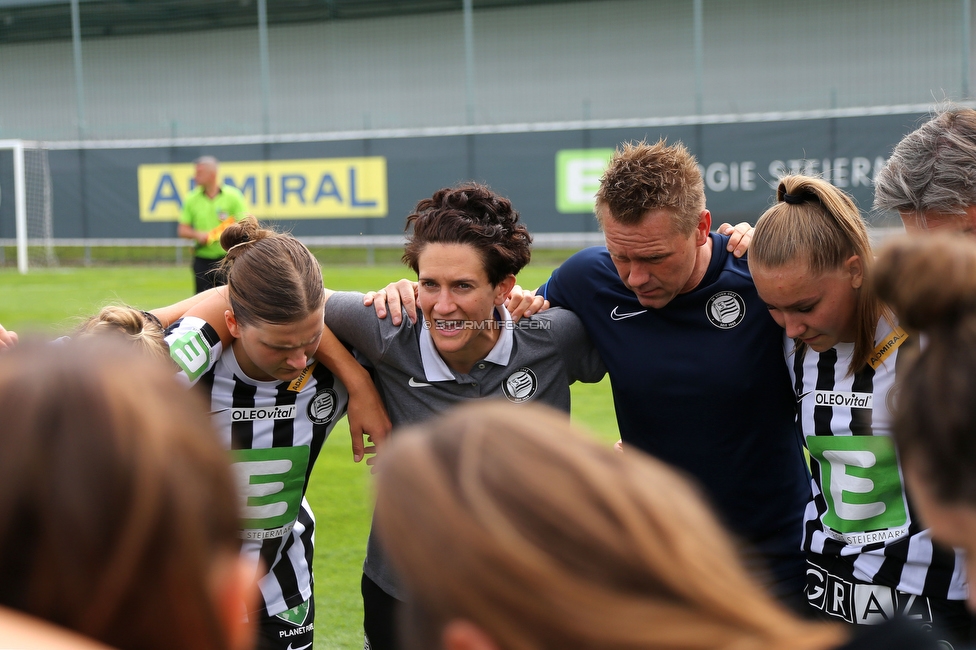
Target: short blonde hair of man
{"points": [[643, 177]]}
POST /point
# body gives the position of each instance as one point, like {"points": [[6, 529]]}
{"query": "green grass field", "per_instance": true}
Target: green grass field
{"points": [[50, 302]]}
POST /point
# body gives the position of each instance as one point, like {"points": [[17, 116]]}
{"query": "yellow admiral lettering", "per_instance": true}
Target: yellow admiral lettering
{"points": [[314, 188], [298, 383], [884, 349]]}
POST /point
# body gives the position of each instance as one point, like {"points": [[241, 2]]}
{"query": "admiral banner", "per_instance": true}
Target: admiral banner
{"points": [[319, 188]]}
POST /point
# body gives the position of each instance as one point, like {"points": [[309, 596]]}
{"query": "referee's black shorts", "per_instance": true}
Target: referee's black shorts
{"points": [[207, 274]]}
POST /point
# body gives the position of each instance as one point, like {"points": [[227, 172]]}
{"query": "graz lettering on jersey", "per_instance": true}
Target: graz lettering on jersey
{"points": [[849, 400], [273, 413], [862, 604], [873, 537], [829, 593]]}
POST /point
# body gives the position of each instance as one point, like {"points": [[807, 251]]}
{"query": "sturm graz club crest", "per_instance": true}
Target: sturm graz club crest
{"points": [[725, 309], [322, 408], [521, 385]]}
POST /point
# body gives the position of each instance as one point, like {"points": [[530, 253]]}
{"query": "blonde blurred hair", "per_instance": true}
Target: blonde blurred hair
{"points": [[140, 329], [545, 539], [816, 223]]}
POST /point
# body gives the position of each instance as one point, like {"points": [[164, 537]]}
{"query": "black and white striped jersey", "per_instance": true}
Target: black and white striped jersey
{"points": [[860, 511], [274, 430]]}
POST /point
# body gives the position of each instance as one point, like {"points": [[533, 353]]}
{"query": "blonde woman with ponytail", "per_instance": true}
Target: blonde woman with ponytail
{"points": [[869, 557], [513, 531]]}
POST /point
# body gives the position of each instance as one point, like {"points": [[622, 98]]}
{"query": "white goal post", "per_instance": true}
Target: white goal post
{"points": [[33, 214]]}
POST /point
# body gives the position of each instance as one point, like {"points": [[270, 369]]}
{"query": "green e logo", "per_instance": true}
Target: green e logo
{"points": [[578, 174], [191, 353], [269, 484], [860, 482]]}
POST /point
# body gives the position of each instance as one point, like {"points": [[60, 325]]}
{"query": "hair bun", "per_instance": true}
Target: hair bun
{"points": [[241, 232], [929, 281]]}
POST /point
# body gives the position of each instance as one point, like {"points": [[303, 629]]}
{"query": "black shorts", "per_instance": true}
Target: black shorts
{"points": [[207, 274], [837, 595], [291, 630], [379, 617]]}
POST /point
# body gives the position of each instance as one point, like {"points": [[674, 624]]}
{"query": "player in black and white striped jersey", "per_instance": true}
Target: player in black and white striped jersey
{"points": [[274, 430], [273, 406], [869, 558]]}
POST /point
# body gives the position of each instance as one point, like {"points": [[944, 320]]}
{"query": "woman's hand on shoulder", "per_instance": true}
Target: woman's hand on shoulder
{"points": [[524, 303], [740, 237], [396, 295]]}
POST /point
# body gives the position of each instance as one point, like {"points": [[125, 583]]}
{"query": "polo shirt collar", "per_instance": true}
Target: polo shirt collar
{"points": [[436, 369], [501, 352]]}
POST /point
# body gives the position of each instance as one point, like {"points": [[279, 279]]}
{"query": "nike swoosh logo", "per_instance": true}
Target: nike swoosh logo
{"points": [[802, 395], [412, 383], [304, 647], [615, 316]]}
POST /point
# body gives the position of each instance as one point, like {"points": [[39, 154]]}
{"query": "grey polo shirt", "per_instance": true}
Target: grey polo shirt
{"points": [[535, 360]]}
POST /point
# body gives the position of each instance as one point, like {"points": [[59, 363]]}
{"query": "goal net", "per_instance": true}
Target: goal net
{"points": [[30, 196]]}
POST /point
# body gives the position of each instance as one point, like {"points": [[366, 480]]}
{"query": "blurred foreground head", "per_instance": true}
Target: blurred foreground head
{"points": [[930, 283], [513, 531], [118, 516]]}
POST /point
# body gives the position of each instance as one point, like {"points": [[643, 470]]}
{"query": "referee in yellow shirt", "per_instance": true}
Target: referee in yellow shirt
{"points": [[207, 210]]}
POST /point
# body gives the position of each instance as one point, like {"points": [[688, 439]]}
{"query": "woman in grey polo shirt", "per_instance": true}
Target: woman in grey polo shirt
{"points": [[466, 246]]}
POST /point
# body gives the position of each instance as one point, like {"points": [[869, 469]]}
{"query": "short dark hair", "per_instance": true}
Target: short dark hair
{"points": [[471, 214]]}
